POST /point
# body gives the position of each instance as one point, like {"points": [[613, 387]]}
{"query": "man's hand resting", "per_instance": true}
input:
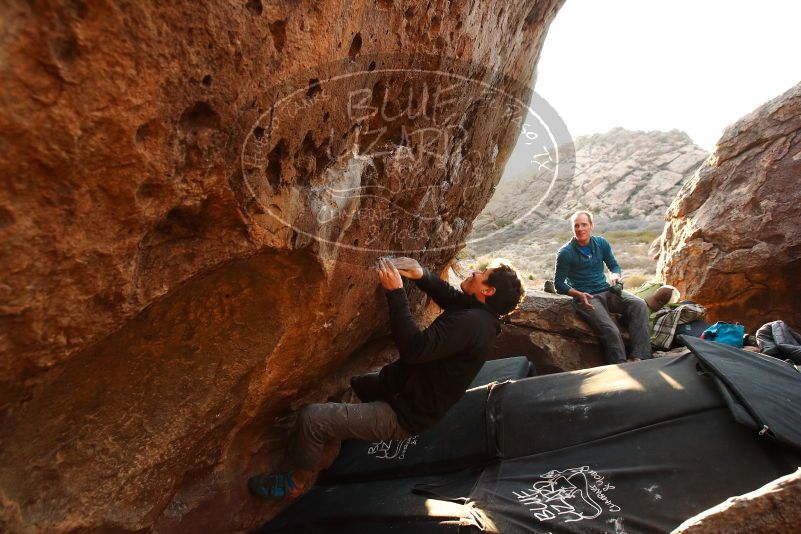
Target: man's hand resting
{"points": [[408, 267], [583, 297], [388, 275]]}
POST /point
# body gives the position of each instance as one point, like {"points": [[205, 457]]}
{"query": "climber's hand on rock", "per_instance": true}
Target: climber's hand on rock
{"points": [[388, 275], [408, 267]]}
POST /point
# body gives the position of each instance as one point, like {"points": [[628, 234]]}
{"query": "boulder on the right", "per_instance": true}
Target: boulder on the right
{"points": [[731, 241], [771, 508]]}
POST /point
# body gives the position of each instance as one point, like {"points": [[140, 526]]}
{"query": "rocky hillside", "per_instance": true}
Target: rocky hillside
{"points": [[626, 178], [619, 175], [192, 195], [630, 175]]}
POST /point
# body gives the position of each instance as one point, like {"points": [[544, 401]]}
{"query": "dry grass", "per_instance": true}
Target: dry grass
{"points": [[631, 236], [636, 280]]}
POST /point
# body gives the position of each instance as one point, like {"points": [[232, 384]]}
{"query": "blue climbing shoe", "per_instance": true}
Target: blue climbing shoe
{"points": [[273, 485]]}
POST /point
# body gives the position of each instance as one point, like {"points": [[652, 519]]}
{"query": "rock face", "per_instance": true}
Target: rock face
{"points": [[547, 329], [620, 174], [771, 508], [731, 240], [625, 178], [623, 174], [184, 257]]}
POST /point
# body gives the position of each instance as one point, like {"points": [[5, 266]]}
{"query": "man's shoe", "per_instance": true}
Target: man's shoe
{"points": [[273, 486]]}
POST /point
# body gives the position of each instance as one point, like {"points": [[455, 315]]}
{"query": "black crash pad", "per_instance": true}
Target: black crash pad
{"points": [[648, 479], [554, 411], [763, 392], [465, 436]]}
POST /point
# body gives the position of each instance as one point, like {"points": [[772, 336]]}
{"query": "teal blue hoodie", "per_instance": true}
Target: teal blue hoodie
{"points": [[574, 269]]}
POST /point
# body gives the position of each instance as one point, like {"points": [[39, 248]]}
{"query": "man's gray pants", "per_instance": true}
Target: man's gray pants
{"points": [[320, 425], [633, 309]]}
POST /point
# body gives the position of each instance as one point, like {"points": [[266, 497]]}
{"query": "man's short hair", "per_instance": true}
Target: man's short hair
{"points": [[509, 290], [580, 212]]}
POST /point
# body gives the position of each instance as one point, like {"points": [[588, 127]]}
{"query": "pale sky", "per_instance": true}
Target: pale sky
{"points": [[694, 65]]}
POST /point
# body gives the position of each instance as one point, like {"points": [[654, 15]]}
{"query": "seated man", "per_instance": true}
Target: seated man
{"points": [[580, 274], [434, 368]]}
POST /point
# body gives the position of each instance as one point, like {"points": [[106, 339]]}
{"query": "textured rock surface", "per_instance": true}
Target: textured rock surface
{"points": [[772, 508], [626, 178], [731, 241], [620, 174], [156, 316], [623, 174], [547, 329]]}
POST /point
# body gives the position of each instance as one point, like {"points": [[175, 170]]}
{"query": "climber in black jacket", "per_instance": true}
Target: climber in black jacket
{"points": [[434, 368]]}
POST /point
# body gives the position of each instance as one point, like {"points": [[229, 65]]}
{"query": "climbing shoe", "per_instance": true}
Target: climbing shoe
{"points": [[273, 485]]}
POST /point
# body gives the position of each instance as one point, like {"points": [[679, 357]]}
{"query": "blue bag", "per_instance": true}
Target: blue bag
{"points": [[727, 333]]}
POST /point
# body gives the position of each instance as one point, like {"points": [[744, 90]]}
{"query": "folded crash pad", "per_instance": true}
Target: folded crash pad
{"points": [[637, 447], [554, 411], [648, 479], [377, 507], [503, 369], [763, 392]]}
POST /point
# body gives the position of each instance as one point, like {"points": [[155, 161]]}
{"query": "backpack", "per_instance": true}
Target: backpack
{"points": [[668, 320], [726, 333]]}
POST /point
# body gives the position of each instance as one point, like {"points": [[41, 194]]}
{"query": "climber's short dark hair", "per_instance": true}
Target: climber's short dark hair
{"points": [[509, 290]]}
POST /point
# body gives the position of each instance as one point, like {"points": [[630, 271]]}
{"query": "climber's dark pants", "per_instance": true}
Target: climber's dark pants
{"points": [[320, 425]]}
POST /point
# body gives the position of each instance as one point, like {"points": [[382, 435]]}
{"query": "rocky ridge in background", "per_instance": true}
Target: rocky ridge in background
{"points": [[731, 241], [164, 299], [625, 178], [619, 175]]}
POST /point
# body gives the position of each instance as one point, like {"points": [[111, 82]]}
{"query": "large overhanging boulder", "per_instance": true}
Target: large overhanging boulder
{"points": [[731, 241], [183, 255]]}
